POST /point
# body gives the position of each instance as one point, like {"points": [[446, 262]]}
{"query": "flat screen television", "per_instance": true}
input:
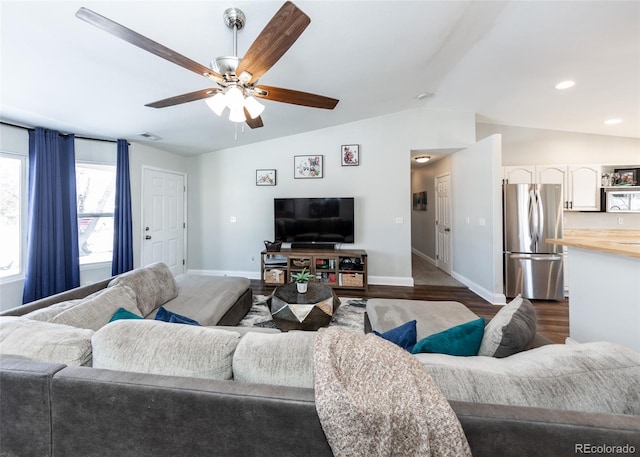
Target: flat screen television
{"points": [[314, 220]]}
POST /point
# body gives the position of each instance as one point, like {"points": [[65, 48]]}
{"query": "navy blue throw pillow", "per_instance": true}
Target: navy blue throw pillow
{"points": [[168, 316], [404, 335]]}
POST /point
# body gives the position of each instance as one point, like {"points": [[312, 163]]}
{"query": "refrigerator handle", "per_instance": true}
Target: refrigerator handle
{"points": [[533, 218], [540, 218]]}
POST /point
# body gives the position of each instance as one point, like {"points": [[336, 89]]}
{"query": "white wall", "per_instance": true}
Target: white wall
{"points": [[222, 185], [528, 146], [476, 183]]}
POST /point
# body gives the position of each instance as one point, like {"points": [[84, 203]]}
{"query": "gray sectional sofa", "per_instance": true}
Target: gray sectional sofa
{"points": [[157, 389]]}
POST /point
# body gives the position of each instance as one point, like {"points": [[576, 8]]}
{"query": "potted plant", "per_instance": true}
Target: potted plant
{"points": [[302, 279]]}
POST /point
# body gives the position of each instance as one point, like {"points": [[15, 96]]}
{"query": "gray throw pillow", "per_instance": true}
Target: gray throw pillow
{"points": [[511, 330]]}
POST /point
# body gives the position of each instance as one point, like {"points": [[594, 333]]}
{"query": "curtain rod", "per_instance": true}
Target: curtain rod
{"points": [[63, 134]]}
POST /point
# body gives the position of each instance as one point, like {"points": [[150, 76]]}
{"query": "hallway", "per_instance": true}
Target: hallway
{"points": [[426, 274]]}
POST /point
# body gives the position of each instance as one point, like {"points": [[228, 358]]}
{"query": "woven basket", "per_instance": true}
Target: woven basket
{"points": [[352, 279], [274, 276]]}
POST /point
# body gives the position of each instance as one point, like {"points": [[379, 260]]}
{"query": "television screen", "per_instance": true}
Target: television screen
{"points": [[314, 220]]}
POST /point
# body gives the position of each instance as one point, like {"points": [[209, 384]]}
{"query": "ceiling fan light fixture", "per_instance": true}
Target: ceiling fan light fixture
{"points": [[422, 159], [236, 113], [217, 103], [254, 107]]}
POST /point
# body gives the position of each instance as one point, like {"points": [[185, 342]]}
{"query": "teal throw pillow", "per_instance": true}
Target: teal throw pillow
{"points": [[463, 339], [175, 318], [404, 335], [124, 314]]}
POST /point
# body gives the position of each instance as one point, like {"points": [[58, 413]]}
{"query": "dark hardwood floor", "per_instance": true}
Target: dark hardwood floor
{"points": [[553, 316]]}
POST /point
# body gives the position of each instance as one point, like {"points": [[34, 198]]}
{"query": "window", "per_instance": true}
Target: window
{"points": [[11, 213], [95, 188]]}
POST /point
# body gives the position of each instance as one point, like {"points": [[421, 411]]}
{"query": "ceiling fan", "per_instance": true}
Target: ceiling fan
{"points": [[236, 77]]}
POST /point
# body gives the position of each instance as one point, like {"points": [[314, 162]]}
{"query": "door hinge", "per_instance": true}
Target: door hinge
{"points": [[183, 262], [184, 225]]}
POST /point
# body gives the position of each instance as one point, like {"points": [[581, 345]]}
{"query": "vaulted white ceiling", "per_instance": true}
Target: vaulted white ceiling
{"points": [[500, 60]]}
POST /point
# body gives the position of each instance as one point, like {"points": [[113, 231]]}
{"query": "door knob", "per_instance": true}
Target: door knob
{"points": [[447, 229], [148, 237]]}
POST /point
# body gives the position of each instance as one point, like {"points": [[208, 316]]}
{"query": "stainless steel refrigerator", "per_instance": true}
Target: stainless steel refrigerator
{"points": [[533, 267]]}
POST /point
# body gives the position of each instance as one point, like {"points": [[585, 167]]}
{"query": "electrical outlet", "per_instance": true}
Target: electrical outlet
{"points": [[232, 219], [399, 220], [620, 221]]}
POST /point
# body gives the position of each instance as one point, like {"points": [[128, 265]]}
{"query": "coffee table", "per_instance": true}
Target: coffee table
{"points": [[309, 311]]}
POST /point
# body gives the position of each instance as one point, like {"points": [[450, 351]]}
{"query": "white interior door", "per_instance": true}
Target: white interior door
{"points": [[443, 224], [163, 224]]}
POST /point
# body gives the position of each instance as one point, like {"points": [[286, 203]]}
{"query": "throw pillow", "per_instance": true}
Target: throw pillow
{"points": [[94, 313], [511, 330], [461, 340], [124, 314], [168, 316], [404, 335]]}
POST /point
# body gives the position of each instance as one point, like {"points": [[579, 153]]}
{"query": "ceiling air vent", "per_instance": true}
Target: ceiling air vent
{"points": [[149, 136]]}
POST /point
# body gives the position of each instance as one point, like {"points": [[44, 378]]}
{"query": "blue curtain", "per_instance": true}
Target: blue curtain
{"points": [[122, 232], [52, 263]]}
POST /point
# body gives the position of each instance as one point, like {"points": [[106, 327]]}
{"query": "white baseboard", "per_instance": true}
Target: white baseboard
{"points": [[242, 274], [391, 281], [496, 299]]}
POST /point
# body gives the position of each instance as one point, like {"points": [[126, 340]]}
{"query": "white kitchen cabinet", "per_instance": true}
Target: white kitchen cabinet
{"points": [[520, 175], [580, 183], [584, 187]]}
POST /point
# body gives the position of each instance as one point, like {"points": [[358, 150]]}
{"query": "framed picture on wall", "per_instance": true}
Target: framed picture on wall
{"points": [[420, 201], [266, 177], [308, 166], [350, 155]]}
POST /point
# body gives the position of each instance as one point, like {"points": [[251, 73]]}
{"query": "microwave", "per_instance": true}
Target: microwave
{"points": [[622, 199]]}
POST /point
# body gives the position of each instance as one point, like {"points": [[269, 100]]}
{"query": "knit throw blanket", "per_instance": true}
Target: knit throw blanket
{"points": [[374, 399]]}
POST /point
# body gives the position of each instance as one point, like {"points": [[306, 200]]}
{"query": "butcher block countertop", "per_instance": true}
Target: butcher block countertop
{"points": [[618, 242]]}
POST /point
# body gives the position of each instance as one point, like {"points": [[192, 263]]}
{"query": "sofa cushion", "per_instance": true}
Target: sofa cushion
{"points": [[156, 347], [283, 359], [205, 298], [461, 340], [511, 330], [45, 341], [49, 312], [404, 335], [431, 316], [591, 377], [154, 285], [96, 311]]}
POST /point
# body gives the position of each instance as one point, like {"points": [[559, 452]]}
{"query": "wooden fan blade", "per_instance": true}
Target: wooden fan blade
{"points": [[253, 123], [145, 43], [276, 38], [295, 97], [184, 98]]}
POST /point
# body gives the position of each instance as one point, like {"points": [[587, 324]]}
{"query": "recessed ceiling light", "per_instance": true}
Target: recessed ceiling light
{"points": [[613, 121], [565, 84], [422, 159]]}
